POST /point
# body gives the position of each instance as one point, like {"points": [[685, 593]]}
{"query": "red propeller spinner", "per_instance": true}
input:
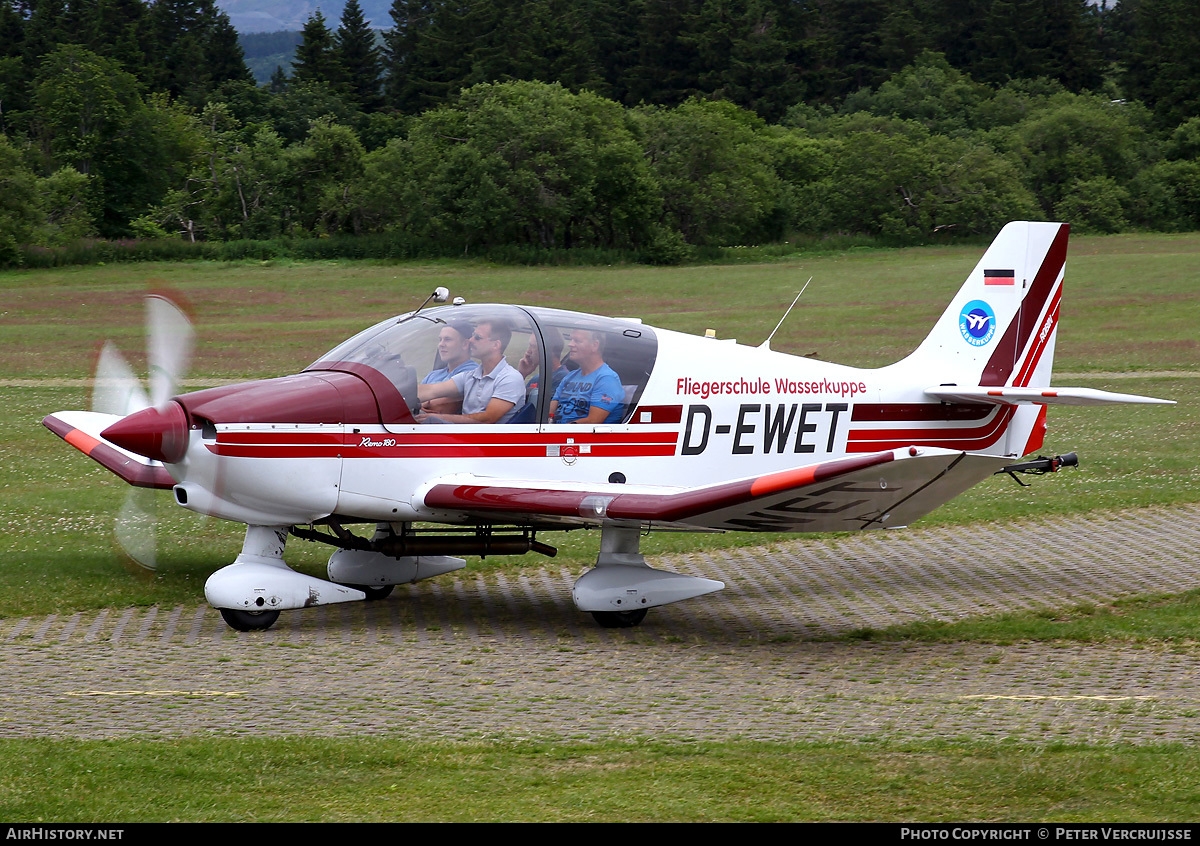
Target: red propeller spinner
{"points": [[157, 433]]}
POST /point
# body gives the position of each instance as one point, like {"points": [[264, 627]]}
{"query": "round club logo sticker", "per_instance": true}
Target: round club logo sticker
{"points": [[977, 323]]}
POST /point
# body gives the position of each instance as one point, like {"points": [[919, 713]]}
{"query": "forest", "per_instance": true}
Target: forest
{"points": [[649, 129]]}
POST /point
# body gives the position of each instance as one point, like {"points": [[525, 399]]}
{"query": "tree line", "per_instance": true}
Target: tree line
{"points": [[655, 126]]}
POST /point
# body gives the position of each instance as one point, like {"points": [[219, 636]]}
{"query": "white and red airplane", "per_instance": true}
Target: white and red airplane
{"points": [[688, 433]]}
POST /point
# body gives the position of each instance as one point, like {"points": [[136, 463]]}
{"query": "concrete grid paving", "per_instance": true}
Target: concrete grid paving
{"points": [[509, 656]]}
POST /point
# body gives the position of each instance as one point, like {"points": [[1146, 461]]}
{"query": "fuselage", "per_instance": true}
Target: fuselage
{"points": [[341, 437]]}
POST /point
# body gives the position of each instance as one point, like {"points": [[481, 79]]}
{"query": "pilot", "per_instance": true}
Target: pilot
{"points": [[454, 354], [491, 390], [593, 392]]}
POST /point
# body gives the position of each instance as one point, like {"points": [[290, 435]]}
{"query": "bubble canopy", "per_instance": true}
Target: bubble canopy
{"points": [[400, 353]]}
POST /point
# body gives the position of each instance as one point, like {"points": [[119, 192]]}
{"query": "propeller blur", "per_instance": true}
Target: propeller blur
{"points": [[117, 393], [499, 423]]}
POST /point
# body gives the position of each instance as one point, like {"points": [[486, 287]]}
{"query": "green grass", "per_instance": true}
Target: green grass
{"points": [[1130, 304], [393, 780], [1143, 619]]}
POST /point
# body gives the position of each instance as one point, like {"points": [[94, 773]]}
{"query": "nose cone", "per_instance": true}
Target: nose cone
{"points": [[157, 433]]}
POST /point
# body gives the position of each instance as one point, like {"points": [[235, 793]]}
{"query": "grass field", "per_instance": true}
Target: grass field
{"points": [[366, 780], [1128, 324], [1128, 306]]}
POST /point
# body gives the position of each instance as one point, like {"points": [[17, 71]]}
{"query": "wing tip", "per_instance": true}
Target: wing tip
{"points": [[130, 469]]}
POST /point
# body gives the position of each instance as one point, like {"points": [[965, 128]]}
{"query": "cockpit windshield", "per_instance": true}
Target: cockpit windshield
{"points": [[502, 364]]}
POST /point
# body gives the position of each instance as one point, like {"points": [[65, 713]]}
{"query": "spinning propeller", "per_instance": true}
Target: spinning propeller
{"points": [[169, 341]]}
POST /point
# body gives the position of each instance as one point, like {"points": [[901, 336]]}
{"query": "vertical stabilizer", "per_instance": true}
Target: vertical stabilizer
{"points": [[999, 330]]}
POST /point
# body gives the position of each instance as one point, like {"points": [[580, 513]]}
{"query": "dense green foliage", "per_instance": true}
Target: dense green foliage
{"points": [[653, 127]]}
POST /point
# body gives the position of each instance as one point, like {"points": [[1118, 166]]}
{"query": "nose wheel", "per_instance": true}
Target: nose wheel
{"points": [[619, 619], [249, 621]]}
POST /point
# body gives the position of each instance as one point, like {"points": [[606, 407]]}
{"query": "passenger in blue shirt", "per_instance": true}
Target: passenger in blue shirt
{"points": [[593, 393]]}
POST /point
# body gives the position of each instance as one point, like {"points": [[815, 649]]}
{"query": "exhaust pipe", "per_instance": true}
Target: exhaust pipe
{"points": [[406, 545]]}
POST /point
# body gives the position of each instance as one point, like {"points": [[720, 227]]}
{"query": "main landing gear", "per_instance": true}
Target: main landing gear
{"points": [[251, 591], [622, 587], [375, 592]]}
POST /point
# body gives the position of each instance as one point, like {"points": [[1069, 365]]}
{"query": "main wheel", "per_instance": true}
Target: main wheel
{"points": [[619, 619], [374, 592], [249, 621]]}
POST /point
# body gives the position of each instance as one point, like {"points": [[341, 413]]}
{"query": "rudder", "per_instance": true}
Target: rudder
{"points": [[1000, 328]]}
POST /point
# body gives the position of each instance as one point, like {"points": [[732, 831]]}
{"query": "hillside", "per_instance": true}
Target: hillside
{"points": [[252, 16]]}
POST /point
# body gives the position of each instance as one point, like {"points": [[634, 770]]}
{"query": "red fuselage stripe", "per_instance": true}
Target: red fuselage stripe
{"points": [[464, 451], [446, 439], [919, 412], [979, 437]]}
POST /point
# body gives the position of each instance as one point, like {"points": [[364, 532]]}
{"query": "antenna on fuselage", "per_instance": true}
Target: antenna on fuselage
{"points": [[439, 295], [766, 345]]}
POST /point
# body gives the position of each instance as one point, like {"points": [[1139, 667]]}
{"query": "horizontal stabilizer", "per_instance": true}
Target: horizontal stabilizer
{"points": [[1041, 396], [81, 429]]}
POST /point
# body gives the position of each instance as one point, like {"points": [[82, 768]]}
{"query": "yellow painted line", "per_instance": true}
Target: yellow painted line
{"points": [[156, 693], [1031, 697], [55, 382]]}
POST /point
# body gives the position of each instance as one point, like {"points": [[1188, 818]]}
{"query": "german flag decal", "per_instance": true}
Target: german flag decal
{"points": [[999, 277]]}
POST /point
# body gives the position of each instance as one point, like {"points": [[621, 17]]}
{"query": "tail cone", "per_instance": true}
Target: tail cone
{"points": [[160, 434]]}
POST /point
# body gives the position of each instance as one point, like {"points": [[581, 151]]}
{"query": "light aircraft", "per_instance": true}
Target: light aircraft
{"points": [[698, 434]]}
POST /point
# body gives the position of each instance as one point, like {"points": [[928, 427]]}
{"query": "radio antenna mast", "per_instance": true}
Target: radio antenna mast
{"points": [[766, 345], [439, 295]]}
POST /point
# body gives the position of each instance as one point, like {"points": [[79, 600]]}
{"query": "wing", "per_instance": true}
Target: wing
{"points": [[1043, 396], [81, 429], [879, 490]]}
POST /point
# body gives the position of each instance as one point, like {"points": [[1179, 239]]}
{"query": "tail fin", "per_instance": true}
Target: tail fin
{"points": [[999, 330], [995, 342]]}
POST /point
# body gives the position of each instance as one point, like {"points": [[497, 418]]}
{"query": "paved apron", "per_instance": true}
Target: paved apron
{"points": [[509, 656]]}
